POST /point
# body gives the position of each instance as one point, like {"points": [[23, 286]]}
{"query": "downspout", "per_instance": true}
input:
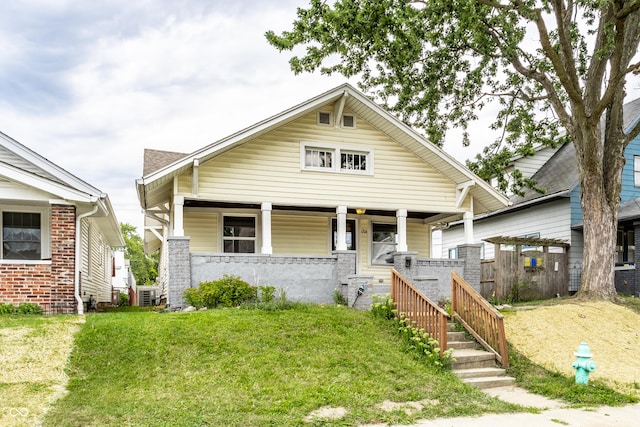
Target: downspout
{"points": [[78, 260]]}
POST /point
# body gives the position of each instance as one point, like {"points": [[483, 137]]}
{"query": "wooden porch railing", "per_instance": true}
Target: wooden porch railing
{"points": [[422, 312], [479, 317]]}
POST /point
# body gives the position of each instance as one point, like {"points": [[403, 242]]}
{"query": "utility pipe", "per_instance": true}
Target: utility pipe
{"points": [[78, 261]]}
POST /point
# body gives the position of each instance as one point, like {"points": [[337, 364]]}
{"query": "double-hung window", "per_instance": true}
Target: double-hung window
{"points": [[383, 243], [636, 171], [334, 158], [21, 235], [239, 234]]}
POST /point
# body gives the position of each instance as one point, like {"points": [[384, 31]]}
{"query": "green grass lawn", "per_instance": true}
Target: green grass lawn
{"points": [[233, 367]]}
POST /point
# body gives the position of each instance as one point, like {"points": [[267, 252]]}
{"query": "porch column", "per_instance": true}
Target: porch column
{"points": [[341, 241], [468, 227], [178, 216], [266, 228], [401, 218]]}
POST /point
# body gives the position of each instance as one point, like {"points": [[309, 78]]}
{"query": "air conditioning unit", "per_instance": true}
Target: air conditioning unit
{"points": [[147, 296]]}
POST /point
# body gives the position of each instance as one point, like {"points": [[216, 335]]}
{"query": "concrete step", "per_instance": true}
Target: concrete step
{"points": [[459, 345], [489, 382], [471, 358], [456, 336], [479, 372]]}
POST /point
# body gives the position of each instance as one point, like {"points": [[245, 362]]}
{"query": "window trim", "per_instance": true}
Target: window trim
{"points": [[256, 248], [45, 233], [337, 150]]}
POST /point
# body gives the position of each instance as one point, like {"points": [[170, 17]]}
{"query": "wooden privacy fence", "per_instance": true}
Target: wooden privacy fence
{"points": [[422, 312], [479, 317]]}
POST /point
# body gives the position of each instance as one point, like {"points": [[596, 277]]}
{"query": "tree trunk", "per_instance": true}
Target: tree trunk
{"points": [[600, 185]]}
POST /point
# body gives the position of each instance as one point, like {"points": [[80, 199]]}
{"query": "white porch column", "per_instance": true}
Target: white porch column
{"points": [[178, 216], [401, 226], [341, 241], [266, 228], [468, 227]]}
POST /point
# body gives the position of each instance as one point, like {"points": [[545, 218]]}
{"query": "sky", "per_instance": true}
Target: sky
{"points": [[90, 84]]}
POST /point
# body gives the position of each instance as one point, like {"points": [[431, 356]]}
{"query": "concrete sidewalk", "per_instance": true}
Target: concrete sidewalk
{"points": [[552, 413]]}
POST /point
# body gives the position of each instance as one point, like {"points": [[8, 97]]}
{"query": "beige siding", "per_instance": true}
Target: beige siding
{"points": [[268, 169], [96, 263], [300, 235], [202, 228], [419, 239]]}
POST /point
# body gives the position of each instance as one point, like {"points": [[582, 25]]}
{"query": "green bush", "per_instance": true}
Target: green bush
{"points": [[229, 291], [7, 308], [28, 308], [267, 293], [383, 307], [124, 300], [339, 299]]}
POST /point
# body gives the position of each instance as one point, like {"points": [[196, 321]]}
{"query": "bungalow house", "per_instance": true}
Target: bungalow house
{"points": [[327, 195], [57, 234], [556, 214]]}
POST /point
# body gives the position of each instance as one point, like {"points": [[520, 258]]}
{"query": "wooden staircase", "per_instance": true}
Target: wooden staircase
{"points": [[472, 365]]}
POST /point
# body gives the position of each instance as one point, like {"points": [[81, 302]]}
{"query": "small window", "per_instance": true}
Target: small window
{"points": [[318, 158], [21, 236], [349, 121], [324, 118], [239, 234], [353, 161], [453, 253], [636, 171], [383, 243]]}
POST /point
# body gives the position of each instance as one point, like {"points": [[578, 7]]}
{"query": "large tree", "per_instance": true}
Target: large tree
{"points": [[556, 69], [143, 267]]}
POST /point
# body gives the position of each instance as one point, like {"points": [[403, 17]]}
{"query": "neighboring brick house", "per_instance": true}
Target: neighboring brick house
{"points": [[57, 234]]}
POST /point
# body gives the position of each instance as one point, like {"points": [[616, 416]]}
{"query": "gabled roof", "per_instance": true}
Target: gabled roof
{"points": [[157, 159], [21, 165], [155, 185]]}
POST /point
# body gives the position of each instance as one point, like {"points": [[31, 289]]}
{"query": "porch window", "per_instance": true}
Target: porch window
{"points": [[351, 234], [383, 243], [239, 234], [21, 236]]}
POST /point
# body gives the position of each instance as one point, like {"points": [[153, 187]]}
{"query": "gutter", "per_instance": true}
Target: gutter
{"points": [[78, 260]]}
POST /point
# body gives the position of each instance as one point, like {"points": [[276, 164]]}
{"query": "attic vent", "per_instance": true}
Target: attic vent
{"points": [[348, 121], [324, 118]]}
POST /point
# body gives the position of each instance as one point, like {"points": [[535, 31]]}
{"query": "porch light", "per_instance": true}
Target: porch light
{"points": [[360, 211]]}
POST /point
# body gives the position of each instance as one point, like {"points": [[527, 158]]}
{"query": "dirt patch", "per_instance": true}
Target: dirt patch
{"points": [[549, 336], [325, 413], [409, 408], [32, 377]]}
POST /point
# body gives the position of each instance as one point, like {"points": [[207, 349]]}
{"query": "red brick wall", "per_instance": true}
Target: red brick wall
{"points": [[49, 285]]}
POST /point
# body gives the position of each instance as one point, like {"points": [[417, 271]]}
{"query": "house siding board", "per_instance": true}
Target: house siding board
{"points": [[9, 157], [300, 235], [268, 169], [531, 164], [629, 190], [551, 220], [418, 239], [576, 210], [202, 226]]}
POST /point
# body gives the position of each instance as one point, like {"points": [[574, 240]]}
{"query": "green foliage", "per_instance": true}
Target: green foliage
{"points": [[383, 307], [143, 267], [124, 299], [416, 340], [518, 290], [267, 293], [7, 308], [28, 308], [271, 303], [229, 291], [339, 299]]}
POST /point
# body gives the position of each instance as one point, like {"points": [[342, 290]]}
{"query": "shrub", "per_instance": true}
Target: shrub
{"points": [[28, 308], [229, 291], [383, 307], [338, 298], [7, 308], [124, 300], [267, 293]]}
